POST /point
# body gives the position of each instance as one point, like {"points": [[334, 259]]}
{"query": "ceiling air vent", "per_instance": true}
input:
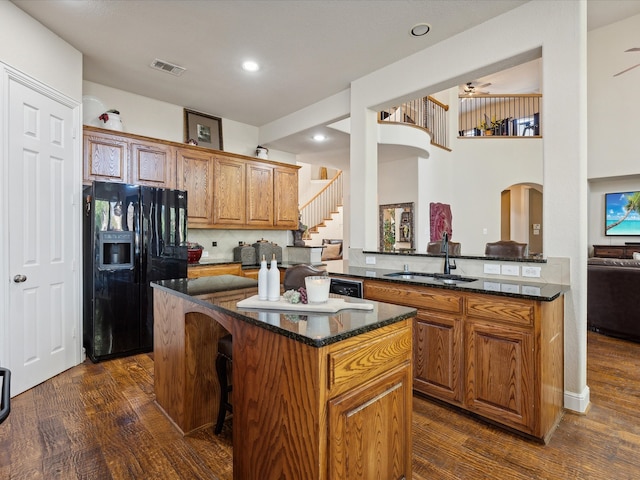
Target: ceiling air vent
{"points": [[167, 67]]}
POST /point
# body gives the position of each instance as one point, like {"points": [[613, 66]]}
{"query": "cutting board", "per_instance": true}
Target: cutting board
{"points": [[333, 305]]}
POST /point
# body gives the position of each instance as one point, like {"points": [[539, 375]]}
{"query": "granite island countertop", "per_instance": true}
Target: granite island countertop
{"points": [[311, 328], [545, 292]]}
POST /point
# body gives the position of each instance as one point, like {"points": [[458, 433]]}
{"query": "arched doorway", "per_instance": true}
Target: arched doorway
{"points": [[521, 215]]}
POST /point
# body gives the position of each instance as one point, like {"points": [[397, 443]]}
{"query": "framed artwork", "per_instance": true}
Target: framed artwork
{"points": [[205, 129]]}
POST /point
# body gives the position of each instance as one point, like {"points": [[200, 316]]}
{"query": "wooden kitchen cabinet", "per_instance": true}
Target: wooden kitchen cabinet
{"points": [[119, 157], [106, 157], [224, 190], [198, 270], [152, 164], [437, 355], [286, 197], [495, 356], [195, 175], [355, 417], [229, 192], [260, 193]]}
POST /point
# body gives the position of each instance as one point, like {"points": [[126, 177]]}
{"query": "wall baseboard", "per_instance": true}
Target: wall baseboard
{"points": [[577, 402]]}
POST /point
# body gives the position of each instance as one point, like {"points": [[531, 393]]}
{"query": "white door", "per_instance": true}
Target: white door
{"points": [[43, 235]]}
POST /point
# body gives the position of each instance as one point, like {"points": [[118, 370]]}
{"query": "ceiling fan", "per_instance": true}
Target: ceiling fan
{"points": [[471, 89], [635, 49]]}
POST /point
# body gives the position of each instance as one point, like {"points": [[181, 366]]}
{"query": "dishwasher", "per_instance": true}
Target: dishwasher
{"points": [[346, 287]]}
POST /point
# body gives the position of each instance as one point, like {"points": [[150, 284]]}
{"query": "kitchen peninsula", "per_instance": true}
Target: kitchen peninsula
{"points": [[307, 387]]}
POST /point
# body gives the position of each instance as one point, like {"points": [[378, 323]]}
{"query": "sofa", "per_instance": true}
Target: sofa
{"points": [[613, 297]]}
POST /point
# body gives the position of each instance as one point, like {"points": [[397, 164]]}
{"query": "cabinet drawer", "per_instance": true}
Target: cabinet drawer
{"points": [[519, 312], [198, 271], [417, 297], [369, 355]]}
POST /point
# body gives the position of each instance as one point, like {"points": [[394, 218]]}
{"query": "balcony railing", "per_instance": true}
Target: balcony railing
{"points": [[500, 115], [427, 113]]}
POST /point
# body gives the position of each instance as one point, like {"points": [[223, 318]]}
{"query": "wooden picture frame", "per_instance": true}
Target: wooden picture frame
{"points": [[204, 129]]}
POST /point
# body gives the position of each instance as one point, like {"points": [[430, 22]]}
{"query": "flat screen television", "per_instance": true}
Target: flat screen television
{"points": [[622, 213]]}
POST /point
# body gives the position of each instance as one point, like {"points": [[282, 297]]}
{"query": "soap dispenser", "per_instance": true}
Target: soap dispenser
{"points": [[273, 289], [263, 280]]}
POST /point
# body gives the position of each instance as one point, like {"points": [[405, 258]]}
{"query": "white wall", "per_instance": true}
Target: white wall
{"points": [[559, 28], [614, 158], [152, 118], [29, 47], [613, 101]]}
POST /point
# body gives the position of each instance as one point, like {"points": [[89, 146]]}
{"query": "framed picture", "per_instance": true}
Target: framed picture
{"points": [[204, 129]]}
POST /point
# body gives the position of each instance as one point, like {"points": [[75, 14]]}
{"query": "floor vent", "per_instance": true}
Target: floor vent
{"points": [[167, 67]]}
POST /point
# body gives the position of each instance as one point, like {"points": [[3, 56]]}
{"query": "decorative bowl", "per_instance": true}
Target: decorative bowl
{"points": [[194, 252]]}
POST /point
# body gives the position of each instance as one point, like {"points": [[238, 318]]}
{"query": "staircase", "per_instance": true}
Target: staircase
{"points": [[317, 211]]}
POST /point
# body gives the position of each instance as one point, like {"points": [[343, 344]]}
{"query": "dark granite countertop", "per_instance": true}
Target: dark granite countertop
{"points": [[404, 252], [315, 329], [545, 292]]}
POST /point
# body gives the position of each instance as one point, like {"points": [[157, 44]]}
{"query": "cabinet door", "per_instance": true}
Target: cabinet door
{"points": [[368, 429], [500, 373], [153, 164], [229, 193], [286, 198], [195, 175], [437, 356], [259, 195], [105, 158]]}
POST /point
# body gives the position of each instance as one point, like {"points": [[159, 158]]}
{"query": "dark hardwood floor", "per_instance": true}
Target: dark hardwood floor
{"points": [[99, 421]]}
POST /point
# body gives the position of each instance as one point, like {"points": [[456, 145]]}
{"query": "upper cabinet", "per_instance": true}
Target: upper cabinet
{"points": [[195, 175], [224, 190], [118, 157], [152, 164], [106, 157]]}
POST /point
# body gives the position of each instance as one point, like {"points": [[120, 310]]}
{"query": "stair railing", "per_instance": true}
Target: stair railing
{"points": [[319, 209], [427, 113]]}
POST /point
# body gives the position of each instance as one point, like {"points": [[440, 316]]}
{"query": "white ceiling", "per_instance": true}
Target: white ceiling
{"points": [[308, 49]]}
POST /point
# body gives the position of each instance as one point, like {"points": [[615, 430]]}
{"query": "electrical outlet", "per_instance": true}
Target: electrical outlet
{"points": [[492, 268], [370, 260], [205, 254], [214, 244], [533, 272], [513, 270]]}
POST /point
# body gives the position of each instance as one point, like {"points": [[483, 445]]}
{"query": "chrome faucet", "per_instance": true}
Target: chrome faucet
{"points": [[444, 248]]}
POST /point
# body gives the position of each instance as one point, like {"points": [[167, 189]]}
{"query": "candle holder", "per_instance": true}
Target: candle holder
{"points": [[317, 288]]}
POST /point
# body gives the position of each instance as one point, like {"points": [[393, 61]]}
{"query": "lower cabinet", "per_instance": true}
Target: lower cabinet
{"points": [[437, 355], [197, 271], [499, 357], [355, 419], [341, 411]]}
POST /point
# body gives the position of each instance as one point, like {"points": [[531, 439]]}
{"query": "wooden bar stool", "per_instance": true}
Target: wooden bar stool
{"points": [[223, 362]]}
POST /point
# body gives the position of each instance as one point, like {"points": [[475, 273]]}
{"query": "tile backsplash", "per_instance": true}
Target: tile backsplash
{"points": [[227, 240]]}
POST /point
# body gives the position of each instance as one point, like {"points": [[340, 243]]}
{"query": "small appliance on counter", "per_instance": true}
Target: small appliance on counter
{"points": [[268, 249], [246, 254]]}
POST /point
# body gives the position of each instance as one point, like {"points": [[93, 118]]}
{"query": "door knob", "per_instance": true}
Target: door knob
{"points": [[20, 278]]}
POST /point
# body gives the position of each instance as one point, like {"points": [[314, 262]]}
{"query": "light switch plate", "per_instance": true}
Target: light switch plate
{"points": [[533, 272], [492, 268], [513, 270]]}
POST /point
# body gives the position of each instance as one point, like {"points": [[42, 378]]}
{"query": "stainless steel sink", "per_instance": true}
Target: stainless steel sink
{"points": [[438, 277]]}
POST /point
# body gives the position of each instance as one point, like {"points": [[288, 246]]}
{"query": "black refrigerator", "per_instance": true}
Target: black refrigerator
{"points": [[132, 235]]}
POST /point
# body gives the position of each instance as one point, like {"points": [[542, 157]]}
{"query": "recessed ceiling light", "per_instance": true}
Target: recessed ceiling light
{"points": [[250, 66], [420, 29], [318, 137]]}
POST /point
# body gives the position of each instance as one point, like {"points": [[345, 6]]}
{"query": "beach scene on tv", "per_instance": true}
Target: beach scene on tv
{"points": [[622, 213]]}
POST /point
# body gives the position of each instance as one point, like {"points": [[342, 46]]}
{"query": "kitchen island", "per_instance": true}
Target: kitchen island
{"points": [[315, 396]]}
